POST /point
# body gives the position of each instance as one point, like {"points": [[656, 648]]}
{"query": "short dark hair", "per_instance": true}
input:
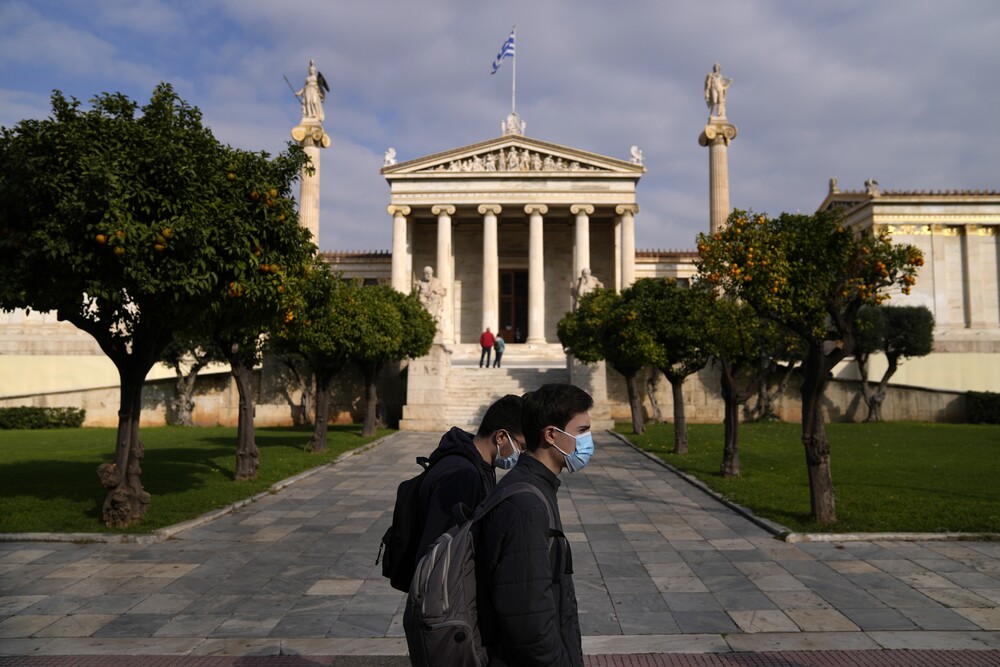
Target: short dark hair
{"points": [[551, 405], [504, 414]]}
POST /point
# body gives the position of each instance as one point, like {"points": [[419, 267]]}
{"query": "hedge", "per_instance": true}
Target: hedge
{"points": [[983, 407], [27, 417]]}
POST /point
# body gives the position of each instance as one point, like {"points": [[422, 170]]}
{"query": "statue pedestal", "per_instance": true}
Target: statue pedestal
{"points": [[312, 138], [717, 135]]}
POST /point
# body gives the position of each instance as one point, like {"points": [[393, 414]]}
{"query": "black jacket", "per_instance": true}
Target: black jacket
{"points": [[458, 474], [527, 603]]}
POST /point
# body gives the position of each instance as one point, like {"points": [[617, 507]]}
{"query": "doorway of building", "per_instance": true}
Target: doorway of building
{"points": [[514, 305]]}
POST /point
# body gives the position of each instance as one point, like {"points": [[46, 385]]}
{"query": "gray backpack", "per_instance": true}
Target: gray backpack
{"points": [[441, 619]]}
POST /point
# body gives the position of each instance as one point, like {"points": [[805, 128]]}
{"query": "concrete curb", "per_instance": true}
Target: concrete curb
{"points": [[782, 533], [168, 532]]}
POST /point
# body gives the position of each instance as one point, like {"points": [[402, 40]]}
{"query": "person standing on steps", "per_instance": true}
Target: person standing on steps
{"points": [[498, 346], [486, 341]]}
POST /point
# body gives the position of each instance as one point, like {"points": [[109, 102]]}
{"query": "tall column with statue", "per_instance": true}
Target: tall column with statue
{"points": [[717, 135], [310, 135]]}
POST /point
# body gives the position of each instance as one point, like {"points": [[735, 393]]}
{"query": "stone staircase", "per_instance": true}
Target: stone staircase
{"points": [[471, 390]]}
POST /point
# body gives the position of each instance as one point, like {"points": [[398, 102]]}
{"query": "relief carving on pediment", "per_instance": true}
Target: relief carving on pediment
{"points": [[511, 159]]}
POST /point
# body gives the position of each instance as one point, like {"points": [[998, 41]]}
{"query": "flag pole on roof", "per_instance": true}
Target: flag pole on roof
{"points": [[507, 51]]}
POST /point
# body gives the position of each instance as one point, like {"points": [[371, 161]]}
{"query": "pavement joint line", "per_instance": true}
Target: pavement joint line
{"points": [[782, 533], [168, 532]]}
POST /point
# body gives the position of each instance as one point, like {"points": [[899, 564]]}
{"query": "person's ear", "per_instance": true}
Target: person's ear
{"points": [[549, 435]]}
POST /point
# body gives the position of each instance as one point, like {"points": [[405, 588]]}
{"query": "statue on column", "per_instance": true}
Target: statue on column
{"points": [[432, 293], [313, 94], [585, 284], [716, 87]]}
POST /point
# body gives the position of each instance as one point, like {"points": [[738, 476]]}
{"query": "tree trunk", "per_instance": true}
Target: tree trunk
{"points": [[126, 501], [371, 399], [247, 454], [680, 421], [731, 451], [651, 383], [817, 448], [635, 404], [182, 404], [322, 412]]}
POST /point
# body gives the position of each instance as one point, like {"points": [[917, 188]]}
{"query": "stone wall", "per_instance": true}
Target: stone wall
{"points": [[703, 400], [278, 399]]}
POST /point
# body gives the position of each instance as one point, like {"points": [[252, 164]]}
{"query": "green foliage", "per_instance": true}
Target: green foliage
{"points": [[674, 317], [900, 331], [48, 475], [891, 476], [34, 418], [384, 325], [983, 407], [581, 331], [807, 272], [317, 327]]}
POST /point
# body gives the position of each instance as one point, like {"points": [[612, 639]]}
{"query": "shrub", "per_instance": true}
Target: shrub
{"points": [[983, 407], [28, 417]]}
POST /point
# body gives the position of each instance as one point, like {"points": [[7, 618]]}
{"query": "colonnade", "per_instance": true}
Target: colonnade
{"points": [[402, 257]]}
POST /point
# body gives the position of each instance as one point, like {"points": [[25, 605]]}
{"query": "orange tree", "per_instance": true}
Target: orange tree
{"points": [[318, 332], [607, 325], [810, 274], [674, 316], [271, 251], [383, 326], [120, 219], [743, 346], [898, 332]]}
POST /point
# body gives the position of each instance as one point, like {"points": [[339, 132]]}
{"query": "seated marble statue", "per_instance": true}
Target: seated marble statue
{"points": [[585, 284], [432, 293]]}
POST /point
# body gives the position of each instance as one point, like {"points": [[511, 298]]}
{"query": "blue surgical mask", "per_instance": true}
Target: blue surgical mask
{"points": [[507, 462], [579, 459]]}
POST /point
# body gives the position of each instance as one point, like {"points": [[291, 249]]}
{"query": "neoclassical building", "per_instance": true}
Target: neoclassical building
{"points": [[508, 226]]}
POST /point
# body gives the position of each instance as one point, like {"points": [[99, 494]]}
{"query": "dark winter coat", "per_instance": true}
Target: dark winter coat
{"points": [[452, 479], [527, 603]]}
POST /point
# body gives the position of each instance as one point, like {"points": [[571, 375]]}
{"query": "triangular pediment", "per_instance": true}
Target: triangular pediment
{"points": [[514, 156]]}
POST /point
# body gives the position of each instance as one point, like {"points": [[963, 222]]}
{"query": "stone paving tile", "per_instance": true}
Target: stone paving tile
{"points": [[658, 563], [763, 620], [821, 620]]}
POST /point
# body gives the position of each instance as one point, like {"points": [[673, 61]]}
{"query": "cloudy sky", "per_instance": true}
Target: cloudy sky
{"points": [[903, 91]]}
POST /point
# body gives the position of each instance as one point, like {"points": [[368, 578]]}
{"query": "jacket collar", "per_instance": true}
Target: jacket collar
{"points": [[539, 470]]}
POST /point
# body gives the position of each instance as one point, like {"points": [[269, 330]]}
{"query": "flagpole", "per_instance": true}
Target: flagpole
{"points": [[513, 75]]}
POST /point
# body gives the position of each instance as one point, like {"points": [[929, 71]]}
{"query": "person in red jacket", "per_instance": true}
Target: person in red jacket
{"points": [[486, 342]]}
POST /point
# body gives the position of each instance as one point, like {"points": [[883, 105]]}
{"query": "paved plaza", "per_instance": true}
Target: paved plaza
{"points": [[661, 567]]}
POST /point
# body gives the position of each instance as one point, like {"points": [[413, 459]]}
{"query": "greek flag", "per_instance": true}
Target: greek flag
{"points": [[507, 50]]}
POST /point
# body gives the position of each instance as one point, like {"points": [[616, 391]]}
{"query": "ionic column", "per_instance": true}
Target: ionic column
{"points": [[618, 253], [312, 138], [581, 258], [536, 273], [446, 270], [717, 135], [973, 276], [627, 211], [400, 249], [491, 267]]}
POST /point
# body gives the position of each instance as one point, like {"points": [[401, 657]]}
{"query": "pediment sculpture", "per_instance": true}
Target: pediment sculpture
{"points": [[511, 159]]}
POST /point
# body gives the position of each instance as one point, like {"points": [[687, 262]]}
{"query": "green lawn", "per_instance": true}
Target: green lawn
{"points": [[911, 477], [48, 479]]}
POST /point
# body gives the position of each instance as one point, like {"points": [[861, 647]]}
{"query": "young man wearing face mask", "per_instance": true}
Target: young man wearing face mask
{"points": [[526, 599], [464, 467]]}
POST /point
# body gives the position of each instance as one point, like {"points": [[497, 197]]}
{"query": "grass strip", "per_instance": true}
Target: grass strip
{"points": [[49, 481], [888, 476]]}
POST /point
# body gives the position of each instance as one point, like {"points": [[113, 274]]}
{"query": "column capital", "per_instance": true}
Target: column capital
{"points": [[310, 135], [715, 133], [446, 209], [536, 208], [622, 209], [395, 209], [577, 209], [490, 208]]}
